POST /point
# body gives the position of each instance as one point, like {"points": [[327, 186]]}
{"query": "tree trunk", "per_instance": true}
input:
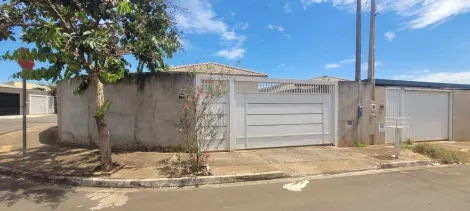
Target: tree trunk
{"points": [[103, 132]]}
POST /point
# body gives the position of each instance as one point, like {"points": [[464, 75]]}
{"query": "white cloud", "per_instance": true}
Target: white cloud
{"points": [[419, 13], [287, 8], [348, 61], [332, 66], [274, 27], [281, 65], [278, 28], [200, 18], [389, 36], [244, 26], [233, 14], [365, 65], [462, 77], [232, 53]]}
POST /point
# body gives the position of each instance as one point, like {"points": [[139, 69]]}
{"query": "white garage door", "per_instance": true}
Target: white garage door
{"points": [[264, 113], [41, 104], [427, 112]]}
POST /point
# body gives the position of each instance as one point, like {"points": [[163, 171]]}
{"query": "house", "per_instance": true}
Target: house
{"points": [[329, 78], [262, 112], [37, 101]]}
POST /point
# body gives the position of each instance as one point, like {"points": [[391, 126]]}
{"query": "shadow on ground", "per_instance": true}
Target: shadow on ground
{"points": [[48, 155], [12, 191]]}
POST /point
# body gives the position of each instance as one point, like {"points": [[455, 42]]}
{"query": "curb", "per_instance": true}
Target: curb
{"points": [[186, 181], [137, 183], [405, 164]]}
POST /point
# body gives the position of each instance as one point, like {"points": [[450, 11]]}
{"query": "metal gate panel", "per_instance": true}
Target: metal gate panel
{"points": [[429, 114], [38, 104], [427, 111], [265, 113]]}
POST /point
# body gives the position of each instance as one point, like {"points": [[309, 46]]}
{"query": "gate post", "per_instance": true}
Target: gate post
{"points": [[232, 141]]}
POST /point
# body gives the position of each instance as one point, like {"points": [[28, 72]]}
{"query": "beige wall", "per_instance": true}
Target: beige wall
{"points": [[19, 84], [347, 110], [461, 115], [142, 115], [19, 91], [246, 86]]}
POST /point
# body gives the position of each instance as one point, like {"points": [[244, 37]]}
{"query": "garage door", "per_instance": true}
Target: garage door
{"points": [[41, 104], [427, 112], [9, 104]]}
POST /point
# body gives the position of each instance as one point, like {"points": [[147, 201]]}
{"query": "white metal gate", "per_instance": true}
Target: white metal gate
{"points": [[264, 113], [428, 112], [41, 104]]}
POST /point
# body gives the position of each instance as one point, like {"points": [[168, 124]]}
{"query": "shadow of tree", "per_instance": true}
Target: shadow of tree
{"points": [[173, 168], [12, 191], [50, 156]]}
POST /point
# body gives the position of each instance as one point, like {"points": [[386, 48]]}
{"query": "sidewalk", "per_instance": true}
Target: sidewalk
{"points": [[45, 156]]}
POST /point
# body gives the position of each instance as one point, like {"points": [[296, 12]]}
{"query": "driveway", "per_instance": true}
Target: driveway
{"points": [[430, 189], [10, 124]]}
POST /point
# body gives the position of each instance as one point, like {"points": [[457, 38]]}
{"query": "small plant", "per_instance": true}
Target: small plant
{"points": [[409, 141], [199, 123], [441, 153], [359, 144]]}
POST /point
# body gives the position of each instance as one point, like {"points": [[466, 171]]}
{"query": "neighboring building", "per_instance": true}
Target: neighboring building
{"points": [[212, 68], [329, 78], [19, 84], [425, 111], [37, 102]]}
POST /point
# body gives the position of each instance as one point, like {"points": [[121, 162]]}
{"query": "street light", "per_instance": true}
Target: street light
{"points": [[24, 64]]}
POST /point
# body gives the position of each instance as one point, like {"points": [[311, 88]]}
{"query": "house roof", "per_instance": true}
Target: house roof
{"points": [[387, 82], [217, 69], [7, 86], [329, 78]]}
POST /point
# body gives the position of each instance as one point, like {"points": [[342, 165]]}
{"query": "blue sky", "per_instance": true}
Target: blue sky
{"points": [[425, 40]]}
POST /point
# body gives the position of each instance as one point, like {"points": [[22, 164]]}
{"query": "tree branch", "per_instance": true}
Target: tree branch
{"points": [[84, 62], [66, 24]]}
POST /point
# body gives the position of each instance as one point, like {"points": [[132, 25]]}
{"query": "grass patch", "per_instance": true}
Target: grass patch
{"points": [[409, 142], [359, 144], [441, 153]]}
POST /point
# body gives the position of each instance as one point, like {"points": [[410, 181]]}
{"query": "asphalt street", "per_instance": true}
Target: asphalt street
{"points": [[442, 188], [10, 125]]}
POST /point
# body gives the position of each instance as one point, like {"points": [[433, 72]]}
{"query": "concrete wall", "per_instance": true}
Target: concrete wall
{"points": [[347, 110], [19, 91], [142, 115], [461, 115]]}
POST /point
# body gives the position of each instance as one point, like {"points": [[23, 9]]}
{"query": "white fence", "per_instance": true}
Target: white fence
{"points": [[264, 113]]}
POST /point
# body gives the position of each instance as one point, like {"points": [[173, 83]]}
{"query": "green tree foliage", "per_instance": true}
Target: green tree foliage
{"points": [[90, 36]]}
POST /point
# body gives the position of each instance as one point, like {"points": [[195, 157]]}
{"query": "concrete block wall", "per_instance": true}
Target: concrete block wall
{"points": [[347, 110], [142, 115], [461, 115]]}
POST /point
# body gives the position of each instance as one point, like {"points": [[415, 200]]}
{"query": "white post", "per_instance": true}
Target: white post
{"points": [[232, 141], [397, 140], [335, 113]]}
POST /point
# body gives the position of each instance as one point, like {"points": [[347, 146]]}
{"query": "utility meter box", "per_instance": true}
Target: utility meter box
{"points": [[373, 109]]}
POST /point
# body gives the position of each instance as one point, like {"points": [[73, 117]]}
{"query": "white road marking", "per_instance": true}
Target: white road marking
{"points": [[108, 199], [295, 186]]}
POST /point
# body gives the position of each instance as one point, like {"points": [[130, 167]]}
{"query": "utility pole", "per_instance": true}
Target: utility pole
{"points": [[371, 68], [23, 95], [358, 70]]}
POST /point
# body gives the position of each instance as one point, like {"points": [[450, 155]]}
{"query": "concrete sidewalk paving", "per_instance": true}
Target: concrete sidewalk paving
{"points": [[301, 161], [47, 156]]}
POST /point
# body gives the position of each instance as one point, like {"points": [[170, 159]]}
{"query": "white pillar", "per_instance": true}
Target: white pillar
{"points": [[232, 141]]}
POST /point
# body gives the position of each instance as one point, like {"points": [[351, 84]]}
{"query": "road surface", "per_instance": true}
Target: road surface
{"points": [[10, 125], [443, 188]]}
